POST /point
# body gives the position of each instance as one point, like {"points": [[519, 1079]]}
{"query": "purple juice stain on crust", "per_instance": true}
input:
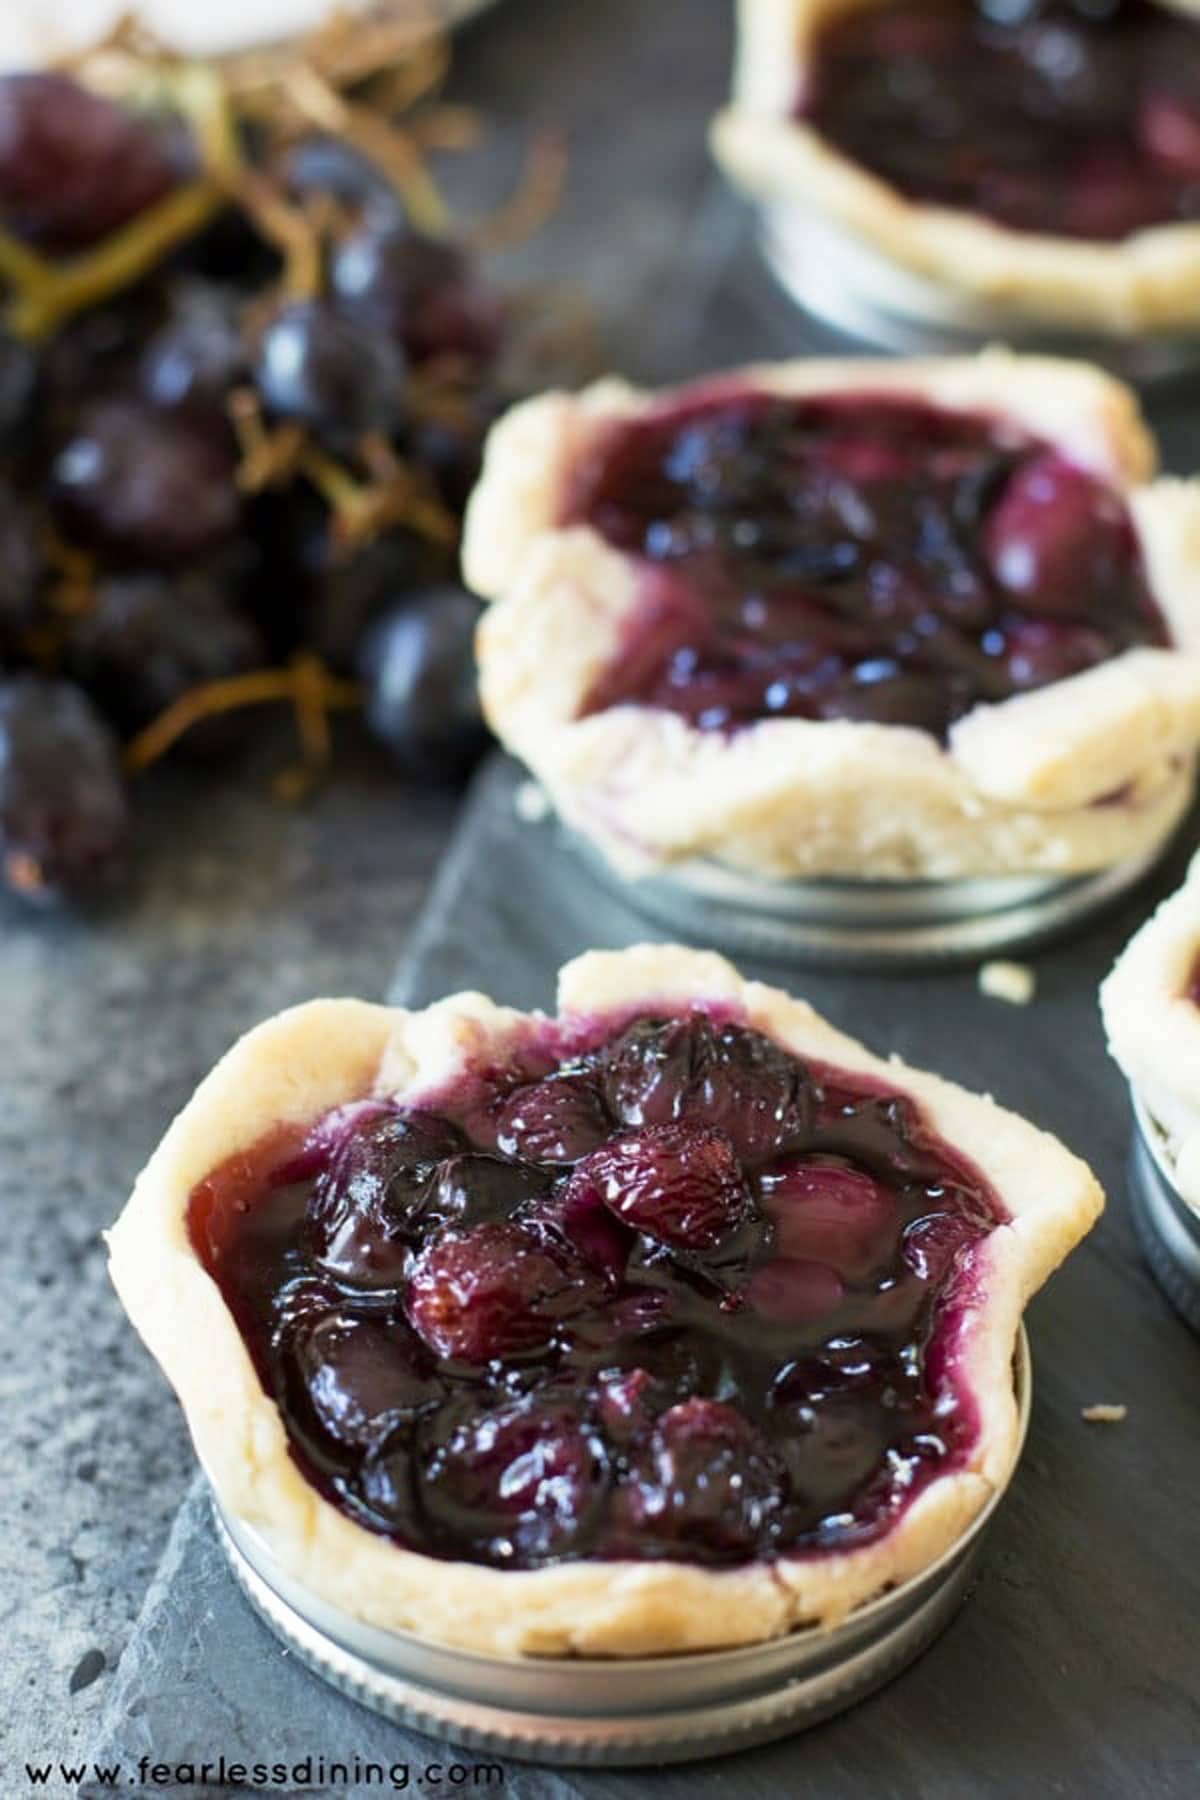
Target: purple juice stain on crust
{"points": [[654, 1288], [855, 556], [1065, 117]]}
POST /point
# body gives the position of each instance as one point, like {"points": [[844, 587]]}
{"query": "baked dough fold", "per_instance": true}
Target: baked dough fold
{"points": [[297, 1065]]}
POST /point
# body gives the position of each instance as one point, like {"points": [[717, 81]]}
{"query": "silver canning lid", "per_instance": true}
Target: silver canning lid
{"points": [[1168, 1228], [618, 1711], [849, 285], [866, 924]]}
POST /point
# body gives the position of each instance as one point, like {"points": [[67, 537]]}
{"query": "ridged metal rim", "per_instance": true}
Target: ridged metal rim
{"points": [[589, 1711], [860, 924], [846, 283], [1168, 1228]]}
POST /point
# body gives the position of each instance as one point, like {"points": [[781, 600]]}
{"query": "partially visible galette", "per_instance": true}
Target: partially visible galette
{"points": [[676, 1321], [877, 620], [1039, 156], [1151, 1007]]}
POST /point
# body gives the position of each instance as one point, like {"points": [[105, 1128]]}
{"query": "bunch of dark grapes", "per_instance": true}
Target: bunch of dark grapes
{"points": [[211, 471]]}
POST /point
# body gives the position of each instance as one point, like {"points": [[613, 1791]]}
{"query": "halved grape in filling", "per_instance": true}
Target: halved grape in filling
{"points": [[853, 556], [1076, 118], [654, 1288]]}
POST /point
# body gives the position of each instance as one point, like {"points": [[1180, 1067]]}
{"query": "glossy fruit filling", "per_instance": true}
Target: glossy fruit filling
{"points": [[656, 1289], [1078, 118], [853, 556]]}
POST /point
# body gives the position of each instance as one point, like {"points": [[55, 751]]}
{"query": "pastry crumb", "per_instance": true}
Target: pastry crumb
{"points": [[530, 803], [1103, 1414], [1014, 982]]}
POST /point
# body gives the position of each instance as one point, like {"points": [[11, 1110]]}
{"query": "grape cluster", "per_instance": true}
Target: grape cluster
{"points": [[141, 558], [853, 556], [664, 1289]]}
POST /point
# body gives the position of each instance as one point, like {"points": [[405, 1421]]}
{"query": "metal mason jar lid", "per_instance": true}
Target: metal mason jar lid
{"points": [[870, 924], [574, 1710], [1168, 1228]]}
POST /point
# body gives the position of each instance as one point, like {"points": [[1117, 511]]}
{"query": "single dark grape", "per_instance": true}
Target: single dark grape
{"points": [[706, 1478], [73, 165], [365, 1377], [425, 293], [494, 1288], [199, 354], [149, 637], [328, 165], [378, 1194], [529, 1477], [830, 1214], [146, 485], [417, 667], [64, 815], [558, 1120], [20, 564], [330, 372], [93, 356], [665, 1070], [1057, 539], [680, 1184]]}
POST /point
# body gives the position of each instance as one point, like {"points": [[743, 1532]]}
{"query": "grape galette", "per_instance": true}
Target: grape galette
{"points": [[675, 1321], [1039, 156], [871, 620]]}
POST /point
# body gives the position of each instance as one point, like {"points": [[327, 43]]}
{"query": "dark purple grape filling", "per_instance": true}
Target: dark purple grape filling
{"points": [[64, 813], [659, 1288], [854, 556], [1070, 117]]}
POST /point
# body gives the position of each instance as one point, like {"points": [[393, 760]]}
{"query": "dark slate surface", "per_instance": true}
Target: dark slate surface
{"points": [[1077, 1667]]}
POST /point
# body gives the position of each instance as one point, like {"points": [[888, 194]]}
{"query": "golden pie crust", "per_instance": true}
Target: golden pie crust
{"points": [[1154, 1027], [295, 1066], [1147, 282], [1023, 786]]}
